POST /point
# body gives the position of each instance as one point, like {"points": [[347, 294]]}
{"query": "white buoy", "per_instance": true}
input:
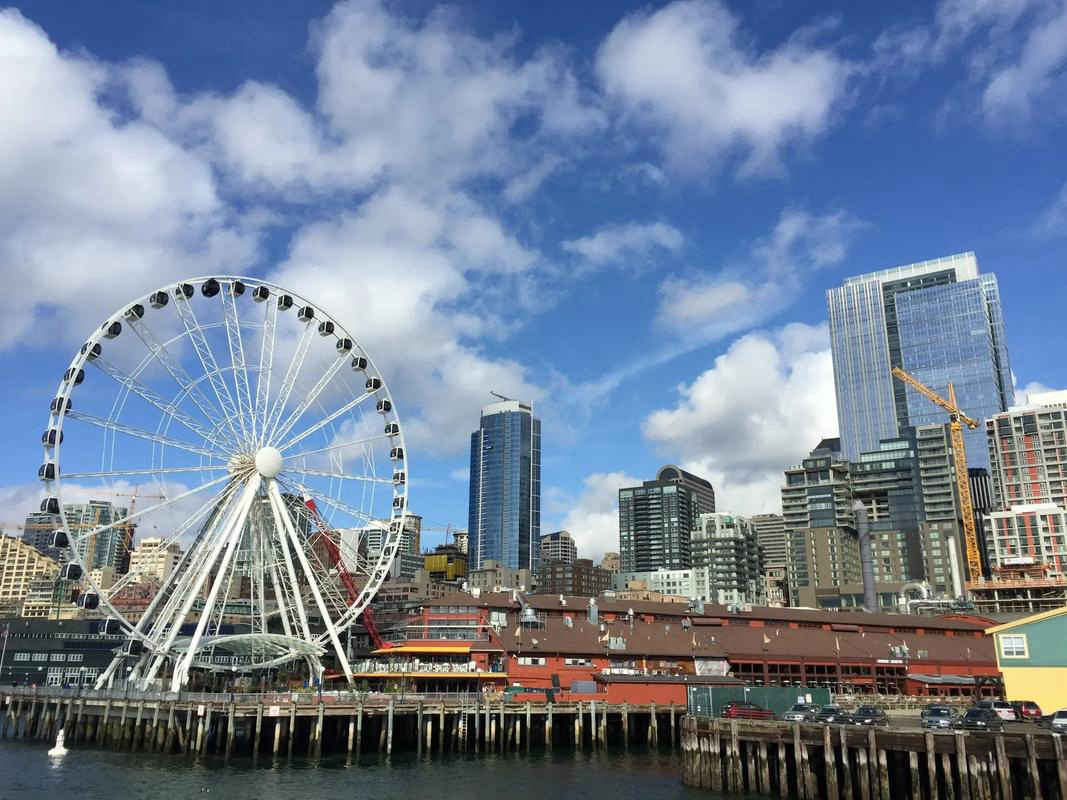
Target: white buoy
{"points": [[59, 749]]}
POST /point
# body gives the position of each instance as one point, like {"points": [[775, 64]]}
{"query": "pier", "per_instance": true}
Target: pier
{"points": [[290, 724], [854, 763]]}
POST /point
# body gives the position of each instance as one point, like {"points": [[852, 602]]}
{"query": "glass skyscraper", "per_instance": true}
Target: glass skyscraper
{"points": [[941, 321], [505, 487]]}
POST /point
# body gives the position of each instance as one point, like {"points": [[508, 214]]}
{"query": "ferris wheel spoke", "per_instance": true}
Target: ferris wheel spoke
{"points": [[339, 475], [266, 365], [158, 438], [299, 488], [237, 358], [152, 397], [306, 403], [210, 366], [322, 423], [112, 473], [286, 389], [340, 445], [174, 368]]}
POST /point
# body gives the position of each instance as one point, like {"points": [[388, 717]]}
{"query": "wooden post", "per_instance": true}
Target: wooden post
{"points": [[319, 721], [883, 774], [389, 734], [441, 728], [783, 771], [259, 731], [359, 730], [946, 768], [717, 781], [931, 768], [207, 726], [418, 729], [863, 772], [846, 764], [578, 728], [548, 727], [188, 728], [1061, 765], [626, 724], [872, 752], [592, 724], [231, 732], [654, 725], [199, 732], [735, 759], [1031, 761], [502, 743], [830, 763], [168, 731], [977, 789], [79, 724], [962, 766], [477, 731], [290, 729], [913, 772], [121, 738], [529, 729], [672, 725], [764, 768], [798, 764]]}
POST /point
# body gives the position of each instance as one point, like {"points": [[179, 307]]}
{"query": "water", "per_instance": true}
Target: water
{"points": [[27, 773]]}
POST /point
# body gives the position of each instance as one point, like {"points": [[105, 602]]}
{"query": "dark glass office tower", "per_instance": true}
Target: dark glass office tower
{"points": [[505, 487]]}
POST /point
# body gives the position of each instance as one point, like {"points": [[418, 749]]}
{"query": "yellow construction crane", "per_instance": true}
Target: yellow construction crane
{"points": [[957, 419]]}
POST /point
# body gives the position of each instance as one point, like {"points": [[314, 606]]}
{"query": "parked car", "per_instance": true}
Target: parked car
{"points": [[938, 716], [870, 716], [1058, 721], [1000, 707], [740, 709], [1027, 710], [801, 712], [982, 719], [832, 714]]}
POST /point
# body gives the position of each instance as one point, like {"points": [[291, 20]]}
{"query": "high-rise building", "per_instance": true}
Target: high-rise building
{"points": [[460, 540], [154, 559], [939, 320], [656, 518], [558, 546], [20, 565], [611, 562], [505, 487], [728, 546], [770, 530], [1028, 459]]}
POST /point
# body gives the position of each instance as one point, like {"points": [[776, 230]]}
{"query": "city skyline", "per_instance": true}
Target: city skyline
{"points": [[586, 239]]}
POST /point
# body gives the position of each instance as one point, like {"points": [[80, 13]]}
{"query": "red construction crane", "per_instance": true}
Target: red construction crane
{"points": [[334, 552]]}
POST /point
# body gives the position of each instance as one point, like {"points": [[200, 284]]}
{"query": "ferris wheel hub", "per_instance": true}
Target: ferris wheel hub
{"points": [[269, 462]]}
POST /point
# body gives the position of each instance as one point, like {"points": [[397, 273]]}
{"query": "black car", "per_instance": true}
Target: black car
{"points": [[938, 716], [982, 719], [832, 714], [870, 716]]}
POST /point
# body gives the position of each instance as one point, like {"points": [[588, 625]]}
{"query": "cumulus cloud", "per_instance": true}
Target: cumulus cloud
{"points": [[629, 243], [761, 407], [1052, 222], [593, 516], [688, 72], [91, 201]]}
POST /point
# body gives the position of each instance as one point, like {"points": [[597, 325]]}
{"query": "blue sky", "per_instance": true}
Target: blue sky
{"points": [[626, 213]]}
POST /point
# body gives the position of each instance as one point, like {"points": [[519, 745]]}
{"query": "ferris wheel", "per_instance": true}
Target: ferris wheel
{"points": [[277, 474]]}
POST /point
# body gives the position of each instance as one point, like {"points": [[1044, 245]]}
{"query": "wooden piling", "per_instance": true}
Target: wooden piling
{"points": [[578, 728], [359, 730], [1061, 766], [168, 735], [931, 767], [441, 729], [136, 736], [290, 730], [946, 769], [735, 759], [418, 729], [529, 729], [654, 724], [783, 771], [717, 782], [231, 734], [1031, 767], [548, 727], [883, 774], [830, 762], [389, 734], [846, 765], [913, 774], [319, 723], [864, 773], [672, 725], [962, 766], [626, 725], [259, 731], [798, 764], [1003, 769]]}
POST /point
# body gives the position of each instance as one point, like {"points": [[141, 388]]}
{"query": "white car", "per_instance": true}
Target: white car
{"points": [[1058, 723], [1003, 709]]}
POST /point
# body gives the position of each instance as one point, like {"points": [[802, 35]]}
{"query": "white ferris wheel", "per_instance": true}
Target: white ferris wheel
{"points": [[272, 456]]}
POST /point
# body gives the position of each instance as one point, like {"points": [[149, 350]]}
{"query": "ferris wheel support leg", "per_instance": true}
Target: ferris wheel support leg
{"points": [[231, 538], [107, 677], [327, 620], [298, 602]]}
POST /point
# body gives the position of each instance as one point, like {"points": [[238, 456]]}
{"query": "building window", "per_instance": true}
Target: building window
{"points": [[578, 662], [531, 661], [40, 656], [1013, 645], [22, 656]]}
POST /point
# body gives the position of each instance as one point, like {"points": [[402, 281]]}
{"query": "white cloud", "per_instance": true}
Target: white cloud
{"points": [[1023, 393], [688, 72], [93, 206], [630, 243], [764, 404], [1015, 52], [593, 516], [1052, 222], [705, 306]]}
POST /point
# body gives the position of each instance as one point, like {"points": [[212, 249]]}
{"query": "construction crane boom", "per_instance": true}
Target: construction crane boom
{"points": [[957, 419], [327, 537]]}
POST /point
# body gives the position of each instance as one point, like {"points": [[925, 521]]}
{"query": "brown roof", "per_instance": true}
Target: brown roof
{"points": [[551, 602]]}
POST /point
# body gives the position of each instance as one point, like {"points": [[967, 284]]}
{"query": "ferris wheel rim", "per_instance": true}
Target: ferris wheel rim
{"points": [[83, 357]]}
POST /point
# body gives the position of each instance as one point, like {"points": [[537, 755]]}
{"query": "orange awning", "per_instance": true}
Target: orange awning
{"points": [[423, 650]]}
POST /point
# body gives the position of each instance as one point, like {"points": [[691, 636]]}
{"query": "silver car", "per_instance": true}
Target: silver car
{"points": [[935, 716], [1058, 723], [801, 712]]}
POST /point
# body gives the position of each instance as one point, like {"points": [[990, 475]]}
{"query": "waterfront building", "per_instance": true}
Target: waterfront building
{"points": [[445, 564], [46, 652], [1032, 658], [939, 320], [770, 531], [505, 487], [558, 546], [656, 518], [154, 559], [727, 545], [20, 565], [579, 577]]}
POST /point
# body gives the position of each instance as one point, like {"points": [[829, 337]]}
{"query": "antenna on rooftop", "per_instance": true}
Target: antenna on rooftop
{"points": [[502, 397]]}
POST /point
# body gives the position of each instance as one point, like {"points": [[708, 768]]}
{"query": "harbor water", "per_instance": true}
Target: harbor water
{"points": [[28, 773]]}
